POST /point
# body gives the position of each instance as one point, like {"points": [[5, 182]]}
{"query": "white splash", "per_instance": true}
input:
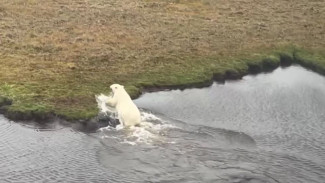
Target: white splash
{"points": [[148, 132], [101, 102], [148, 117]]}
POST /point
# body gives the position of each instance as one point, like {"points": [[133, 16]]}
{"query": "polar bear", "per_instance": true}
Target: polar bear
{"points": [[128, 113]]}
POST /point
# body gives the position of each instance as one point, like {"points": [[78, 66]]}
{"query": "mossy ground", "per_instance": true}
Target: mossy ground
{"points": [[55, 56]]}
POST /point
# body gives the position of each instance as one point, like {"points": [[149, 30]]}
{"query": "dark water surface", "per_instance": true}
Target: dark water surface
{"points": [[264, 128]]}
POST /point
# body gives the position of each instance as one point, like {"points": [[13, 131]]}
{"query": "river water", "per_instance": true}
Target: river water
{"points": [[267, 128]]}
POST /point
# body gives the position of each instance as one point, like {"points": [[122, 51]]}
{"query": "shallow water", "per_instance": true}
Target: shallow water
{"points": [[264, 128]]}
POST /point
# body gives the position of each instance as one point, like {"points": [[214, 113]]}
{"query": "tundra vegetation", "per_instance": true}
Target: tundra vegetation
{"points": [[55, 55]]}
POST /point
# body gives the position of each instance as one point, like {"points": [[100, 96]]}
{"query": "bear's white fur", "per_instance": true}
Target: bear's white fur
{"points": [[128, 113]]}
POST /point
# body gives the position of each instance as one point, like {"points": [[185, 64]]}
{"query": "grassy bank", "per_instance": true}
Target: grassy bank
{"points": [[56, 55]]}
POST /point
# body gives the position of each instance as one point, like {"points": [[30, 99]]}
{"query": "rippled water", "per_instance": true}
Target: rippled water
{"points": [[264, 128]]}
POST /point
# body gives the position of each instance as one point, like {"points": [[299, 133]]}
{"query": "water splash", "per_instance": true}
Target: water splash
{"points": [[101, 102], [148, 132]]}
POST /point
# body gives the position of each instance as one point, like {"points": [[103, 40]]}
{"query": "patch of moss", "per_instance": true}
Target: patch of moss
{"points": [[36, 112], [77, 114], [314, 60], [133, 90], [270, 63], [5, 101]]}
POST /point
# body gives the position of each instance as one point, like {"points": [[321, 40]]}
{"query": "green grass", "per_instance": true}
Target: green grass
{"points": [[315, 60]]}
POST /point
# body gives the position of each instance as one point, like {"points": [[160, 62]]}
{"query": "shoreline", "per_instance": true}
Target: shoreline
{"points": [[267, 63]]}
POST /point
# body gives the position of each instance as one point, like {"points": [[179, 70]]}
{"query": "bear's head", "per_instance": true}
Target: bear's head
{"points": [[116, 87]]}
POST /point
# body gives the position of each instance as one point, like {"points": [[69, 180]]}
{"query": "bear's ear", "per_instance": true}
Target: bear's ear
{"points": [[122, 86]]}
